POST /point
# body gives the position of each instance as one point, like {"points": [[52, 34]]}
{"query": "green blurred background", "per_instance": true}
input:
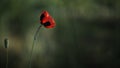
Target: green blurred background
{"points": [[87, 33]]}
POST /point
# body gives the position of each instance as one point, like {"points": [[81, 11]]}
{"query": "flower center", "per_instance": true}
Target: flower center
{"points": [[47, 24], [42, 16]]}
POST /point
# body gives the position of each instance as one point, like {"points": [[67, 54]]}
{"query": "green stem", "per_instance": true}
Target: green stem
{"points": [[31, 54], [7, 58], [37, 32], [6, 45], [33, 45]]}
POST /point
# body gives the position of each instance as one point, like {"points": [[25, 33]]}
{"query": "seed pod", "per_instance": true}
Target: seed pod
{"points": [[6, 43]]}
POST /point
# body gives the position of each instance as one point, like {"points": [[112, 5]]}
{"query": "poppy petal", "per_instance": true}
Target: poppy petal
{"points": [[47, 20]]}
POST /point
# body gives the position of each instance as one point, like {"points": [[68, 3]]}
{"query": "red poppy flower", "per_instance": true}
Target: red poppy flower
{"points": [[47, 20]]}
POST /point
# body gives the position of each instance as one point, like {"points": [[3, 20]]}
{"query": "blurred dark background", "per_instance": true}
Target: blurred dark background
{"points": [[87, 33]]}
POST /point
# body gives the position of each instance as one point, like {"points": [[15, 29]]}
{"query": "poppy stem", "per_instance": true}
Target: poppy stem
{"points": [[7, 58], [37, 32], [31, 54], [6, 45], [33, 45]]}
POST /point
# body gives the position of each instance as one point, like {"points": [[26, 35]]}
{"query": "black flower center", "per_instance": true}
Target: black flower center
{"points": [[47, 24], [42, 16]]}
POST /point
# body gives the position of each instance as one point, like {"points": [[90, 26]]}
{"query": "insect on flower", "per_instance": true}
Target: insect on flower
{"points": [[47, 20]]}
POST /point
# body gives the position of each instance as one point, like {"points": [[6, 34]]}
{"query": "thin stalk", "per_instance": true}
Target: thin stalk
{"points": [[33, 45], [7, 58], [31, 54], [37, 32], [6, 45]]}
